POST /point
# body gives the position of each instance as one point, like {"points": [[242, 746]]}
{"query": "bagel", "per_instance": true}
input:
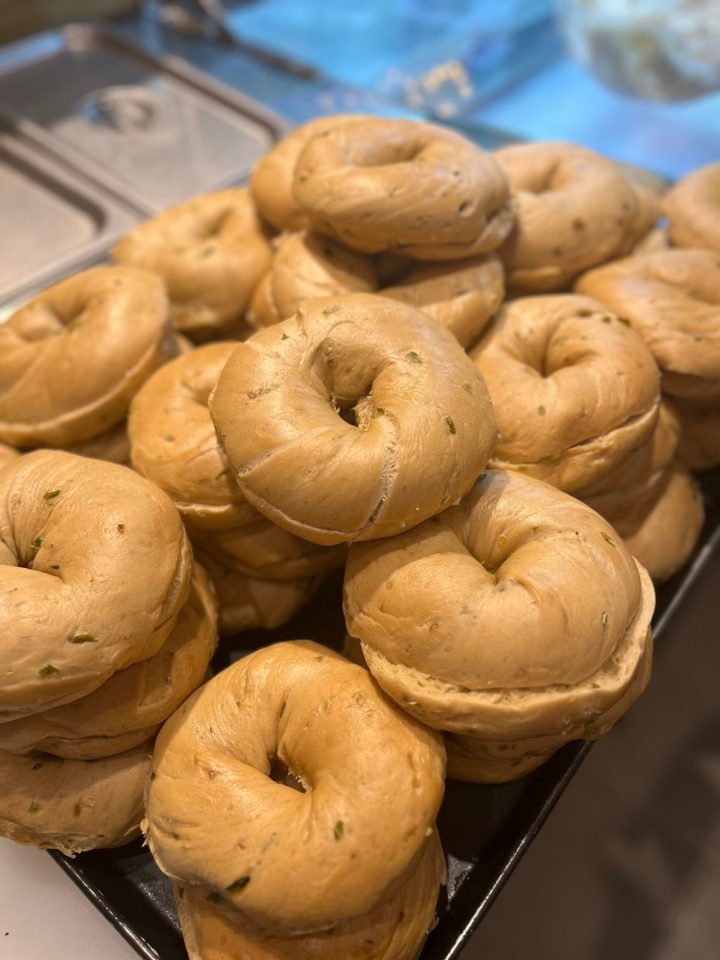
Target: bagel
{"points": [[516, 615], [417, 188], [461, 296], [73, 805], [700, 438], [74, 356], [662, 529], [272, 179], [94, 569], [173, 441], [128, 708], [639, 474], [211, 252], [394, 930], [575, 390], [307, 266], [693, 208], [264, 551], [419, 442], [575, 209], [7, 455], [292, 861], [246, 603], [672, 299]]}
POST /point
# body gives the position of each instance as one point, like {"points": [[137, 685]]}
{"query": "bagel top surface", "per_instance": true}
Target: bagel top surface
{"points": [[672, 298], [562, 370], [419, 425], [210, 251], [94, 567], [519, 586], [71, 358], [293, 860], [693, 208], [575, 209], [272, 179], [417, 188]]}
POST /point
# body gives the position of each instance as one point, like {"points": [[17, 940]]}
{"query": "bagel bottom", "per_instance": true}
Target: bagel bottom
{"points": [[245, 603], [394, 930], [73, 805], [662, 531], [478, 760]]}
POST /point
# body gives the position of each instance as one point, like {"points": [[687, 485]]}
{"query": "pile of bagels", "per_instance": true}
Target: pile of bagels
{"points": [[477, 382]]}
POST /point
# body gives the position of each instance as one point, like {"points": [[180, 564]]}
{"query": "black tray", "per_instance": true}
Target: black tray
{"points": [[485, 829]]}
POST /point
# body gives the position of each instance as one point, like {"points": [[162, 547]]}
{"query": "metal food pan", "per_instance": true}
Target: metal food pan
{"points": [[155, 131], [54, 221]]}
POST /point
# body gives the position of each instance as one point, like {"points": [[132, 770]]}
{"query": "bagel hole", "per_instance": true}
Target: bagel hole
{"points": [[280, 773]]}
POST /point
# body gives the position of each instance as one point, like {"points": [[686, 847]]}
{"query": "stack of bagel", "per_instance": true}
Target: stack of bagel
{"points": [[463, 377], [107, 628]]}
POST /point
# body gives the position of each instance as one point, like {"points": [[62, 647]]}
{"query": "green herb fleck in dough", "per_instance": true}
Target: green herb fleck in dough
{"points": [[55, 566], [607, 319], [238, 885], [625, 321], [605, 618], [607, 539], [414, 357], [34, 807], [380, 411], [77, 809], [481, 478], [541, 410], [48, 671], [51, 494], [451, 425], [284, 337], [339, 830], [83, 638], [36, 543], [328, 310], [36, 766], [214, 897], [223, 473]]}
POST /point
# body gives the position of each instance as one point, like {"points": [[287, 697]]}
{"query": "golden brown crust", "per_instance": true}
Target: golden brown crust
{"points": [[306, 266], [394, 930], [662, 529], [425, 424], [272, 179], [128, 708], [575, 209], [639, 473], [211, 252], [417, 188], [672, 299], [74, 356], [480, 622], [574, 389], [264, 551], [297, 861], [66, 522], [173, 440], [73, 805], [460, 295], [693, 209]]}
